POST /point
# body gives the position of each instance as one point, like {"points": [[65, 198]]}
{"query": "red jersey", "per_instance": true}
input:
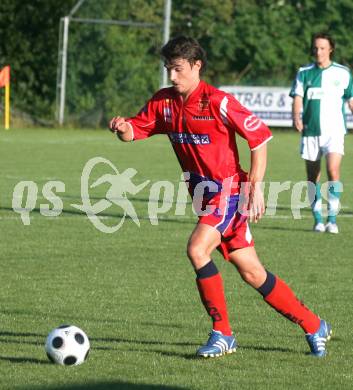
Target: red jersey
{"points": [[202, 130]]}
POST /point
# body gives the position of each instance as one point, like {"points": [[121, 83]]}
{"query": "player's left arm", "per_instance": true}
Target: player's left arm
{"points": [[239, 119], [249, 126], [348, 93], [256, 204]]}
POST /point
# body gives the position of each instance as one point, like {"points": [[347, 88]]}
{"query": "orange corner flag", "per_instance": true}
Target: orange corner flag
{"points": [[5, 82], [5, 76]]}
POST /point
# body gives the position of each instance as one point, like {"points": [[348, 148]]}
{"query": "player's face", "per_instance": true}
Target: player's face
{"points": [[184, 76], [322, 52]]}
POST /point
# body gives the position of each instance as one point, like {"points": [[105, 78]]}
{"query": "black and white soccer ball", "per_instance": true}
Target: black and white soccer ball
{"points": [[67, 345]]}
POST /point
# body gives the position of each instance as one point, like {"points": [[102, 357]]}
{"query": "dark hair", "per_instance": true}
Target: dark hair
{"points": [[323, 35], [186, 48]]}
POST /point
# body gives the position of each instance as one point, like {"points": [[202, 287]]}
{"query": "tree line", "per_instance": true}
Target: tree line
{"points": [[115, 69]]}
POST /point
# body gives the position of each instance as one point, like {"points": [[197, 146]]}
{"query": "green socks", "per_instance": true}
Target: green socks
{"points": [[316, 205], [335, 188]]}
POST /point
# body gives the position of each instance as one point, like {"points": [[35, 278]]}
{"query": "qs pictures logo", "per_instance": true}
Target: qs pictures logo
{"points": [[120, 185], [25, 196], [164, 196]]}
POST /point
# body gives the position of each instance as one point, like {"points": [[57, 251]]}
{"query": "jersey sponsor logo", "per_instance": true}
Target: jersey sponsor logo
{"points": [[203, 118], [315, 93], [167, 111], [252, 123], [186, 138]]}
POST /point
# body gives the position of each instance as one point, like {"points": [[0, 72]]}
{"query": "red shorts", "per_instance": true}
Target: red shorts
{"points": [[232, 225]]}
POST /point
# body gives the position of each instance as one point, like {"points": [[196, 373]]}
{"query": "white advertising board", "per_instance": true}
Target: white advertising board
{"points": [[272, 104]]}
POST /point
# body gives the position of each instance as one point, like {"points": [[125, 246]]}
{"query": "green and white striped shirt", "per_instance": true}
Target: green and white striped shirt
{"points": [[324, 92]]}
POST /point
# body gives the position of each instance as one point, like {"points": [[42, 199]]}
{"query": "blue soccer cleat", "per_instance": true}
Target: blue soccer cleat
{"points": [[217, 345], [317, 341]]}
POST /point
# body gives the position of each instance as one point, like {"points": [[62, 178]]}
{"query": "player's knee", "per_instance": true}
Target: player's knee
{"points": [[196, 253], [254, 277], [334, 174]]}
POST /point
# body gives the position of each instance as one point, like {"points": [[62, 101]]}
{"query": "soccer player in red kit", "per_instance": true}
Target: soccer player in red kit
{"points": [[201, 122]]}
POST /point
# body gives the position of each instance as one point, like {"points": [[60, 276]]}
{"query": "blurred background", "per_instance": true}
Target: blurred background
{"points": [[114, 68]]}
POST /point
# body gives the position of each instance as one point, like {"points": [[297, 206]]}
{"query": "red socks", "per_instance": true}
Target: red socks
{"points": [[274, 290], [212, 296], [282, 299]]}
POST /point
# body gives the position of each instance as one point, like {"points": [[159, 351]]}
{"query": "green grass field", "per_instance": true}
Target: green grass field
{"points": [[133, 291]]}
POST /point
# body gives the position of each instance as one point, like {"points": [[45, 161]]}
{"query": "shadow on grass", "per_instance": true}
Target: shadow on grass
{"points": [[167, 326], [97, 344], [13, 359], [103, 386], [20, 334], [17, 337], [266, 349], [74, 212], [142, 342], [286, 228], [100, 344], [187, 356], [8, 337], [27, 342]]}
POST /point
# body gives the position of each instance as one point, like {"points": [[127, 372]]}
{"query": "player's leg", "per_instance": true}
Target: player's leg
{"points": [[311, 153], [313, 173], [280, 296], [202, 242], [333, 164], [275, 292]]}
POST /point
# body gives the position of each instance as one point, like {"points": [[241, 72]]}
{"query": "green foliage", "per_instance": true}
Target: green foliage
{"points": [[114, 69], [29, 42]]}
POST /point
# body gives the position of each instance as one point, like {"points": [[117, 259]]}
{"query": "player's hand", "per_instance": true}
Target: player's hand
{"points": [[298, 124], [256, 206], [118, 125]]}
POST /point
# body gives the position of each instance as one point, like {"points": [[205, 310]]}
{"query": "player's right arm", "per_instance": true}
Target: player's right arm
{"points": [[296, 113], [149, 120], [297, 93], [121, 128]]}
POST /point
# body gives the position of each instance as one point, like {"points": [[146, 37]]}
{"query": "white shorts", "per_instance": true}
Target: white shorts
{"points": [[314, 147]]}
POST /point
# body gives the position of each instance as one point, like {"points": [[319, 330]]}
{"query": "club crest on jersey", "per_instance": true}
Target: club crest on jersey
{"points": [[204, 103], [167, 111], [252, 123]]}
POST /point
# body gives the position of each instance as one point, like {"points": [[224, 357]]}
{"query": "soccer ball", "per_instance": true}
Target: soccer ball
{"points": [[67, 345]]}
